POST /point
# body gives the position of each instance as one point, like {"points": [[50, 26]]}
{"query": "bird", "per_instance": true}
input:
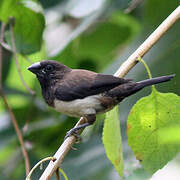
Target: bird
{"points": [[84, 93]]}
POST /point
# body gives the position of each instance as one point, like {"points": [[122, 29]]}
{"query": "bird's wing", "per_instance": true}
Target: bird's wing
{"points": [[79, 84]]}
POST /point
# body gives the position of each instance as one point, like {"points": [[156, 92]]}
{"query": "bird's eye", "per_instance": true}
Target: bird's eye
{"points": [[49, 68]]}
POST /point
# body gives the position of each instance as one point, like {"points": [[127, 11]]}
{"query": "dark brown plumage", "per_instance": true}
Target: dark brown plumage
{"points": [[84, 93], [79, 84]]}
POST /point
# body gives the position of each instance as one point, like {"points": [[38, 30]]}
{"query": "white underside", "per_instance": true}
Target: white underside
{"points": [[79, 107]]}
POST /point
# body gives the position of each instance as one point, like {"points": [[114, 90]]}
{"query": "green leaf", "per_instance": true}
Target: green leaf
{"points": [[16, 94], [146, 120], [29, 23], [170, 134], [112, 140], [99, 44], [13, 79]]}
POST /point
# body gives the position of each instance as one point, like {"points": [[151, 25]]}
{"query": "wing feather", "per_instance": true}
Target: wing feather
{"points": [[79, 84]]}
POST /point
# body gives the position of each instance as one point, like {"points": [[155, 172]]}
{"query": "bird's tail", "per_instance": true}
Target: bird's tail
{"points": [[149, 82], [130, 88]]}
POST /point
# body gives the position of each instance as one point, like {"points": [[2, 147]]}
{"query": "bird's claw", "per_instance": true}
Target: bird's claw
{"points": [[73, 132]]}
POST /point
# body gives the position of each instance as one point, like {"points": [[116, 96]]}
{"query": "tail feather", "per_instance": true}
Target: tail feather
{"points": [[129, 88], [148, 82]]}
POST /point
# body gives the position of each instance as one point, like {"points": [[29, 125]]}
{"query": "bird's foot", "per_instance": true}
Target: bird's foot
{"points": [[73, 132]]}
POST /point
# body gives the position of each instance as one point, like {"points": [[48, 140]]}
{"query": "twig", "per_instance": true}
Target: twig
{"points": [[63, 173], [13, 119], [39, 163], [57, 174], [18, 132], [6, 46], [146, 67], [133, 5], [148, 43], [121, 72], [60, 154], [16, 58], [1, 39]]}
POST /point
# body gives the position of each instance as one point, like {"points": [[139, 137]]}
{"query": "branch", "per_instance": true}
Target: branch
{"points": [[18, 132], [148, 43], [60, 154], [16, 58], [6, 46], [121, 72], [132, 6], [39, 163], [13, 119], [1, 49]]}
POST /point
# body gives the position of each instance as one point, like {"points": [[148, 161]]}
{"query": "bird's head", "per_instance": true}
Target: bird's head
{"points": [[48, 70]]}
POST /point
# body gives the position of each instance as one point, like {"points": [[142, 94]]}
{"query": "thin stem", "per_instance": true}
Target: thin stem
{"points": [[133, 5], [16, 59], [13, 119], [39, 163], [148, 43], [1, 56], [18, 132], [57, 175], [121, 72], [6, 46], [60, 154], [147, 69], [63, 173]]}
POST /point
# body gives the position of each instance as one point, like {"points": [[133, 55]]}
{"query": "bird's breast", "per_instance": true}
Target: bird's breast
{"points": [[79, 107]]}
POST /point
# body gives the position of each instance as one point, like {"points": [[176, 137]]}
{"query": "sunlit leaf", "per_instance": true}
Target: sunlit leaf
{"points": [[170, 134], [146, 120]]}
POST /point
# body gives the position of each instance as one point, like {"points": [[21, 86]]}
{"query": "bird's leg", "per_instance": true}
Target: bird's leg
{"points": [[90, 118]]}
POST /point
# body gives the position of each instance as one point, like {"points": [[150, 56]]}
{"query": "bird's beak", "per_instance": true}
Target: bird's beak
{"points": [[34, 68]]}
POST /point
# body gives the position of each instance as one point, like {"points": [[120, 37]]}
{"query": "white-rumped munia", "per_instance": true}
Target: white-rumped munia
{"points": [[83, 93]]}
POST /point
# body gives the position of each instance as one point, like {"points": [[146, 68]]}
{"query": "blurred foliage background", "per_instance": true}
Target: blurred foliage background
{"points": [[91, 34]]}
